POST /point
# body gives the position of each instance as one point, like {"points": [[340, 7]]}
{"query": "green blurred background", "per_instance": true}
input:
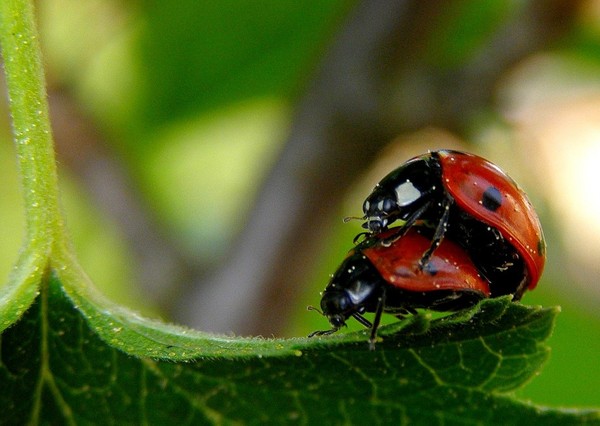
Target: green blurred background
{"points": [[186, 131]]}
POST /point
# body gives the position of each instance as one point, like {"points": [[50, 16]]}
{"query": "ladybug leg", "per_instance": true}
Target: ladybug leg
{"points": [[521, 289], [410, 221], [358, 317], [404, 312], [407, 310], [359, 236], [377, 319], [323, 332], [438, 236]]}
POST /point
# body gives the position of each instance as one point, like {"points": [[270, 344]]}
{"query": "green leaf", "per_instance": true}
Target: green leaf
{"points": [[73, 360], [274, 44], [35, 151]]}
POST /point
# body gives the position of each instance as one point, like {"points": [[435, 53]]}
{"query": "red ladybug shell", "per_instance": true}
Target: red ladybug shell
{"points": [[449, 268], [467, 177]]}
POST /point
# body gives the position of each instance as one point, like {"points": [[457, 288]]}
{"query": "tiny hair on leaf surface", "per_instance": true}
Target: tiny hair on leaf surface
{"points": [[455, 369]]}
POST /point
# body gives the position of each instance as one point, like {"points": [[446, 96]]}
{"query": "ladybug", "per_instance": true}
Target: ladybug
{"points": [[377, 277], [471, 201]]}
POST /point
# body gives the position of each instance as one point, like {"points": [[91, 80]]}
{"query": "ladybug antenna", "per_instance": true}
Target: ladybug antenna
{"points": [[312, 308], [349, 218]]}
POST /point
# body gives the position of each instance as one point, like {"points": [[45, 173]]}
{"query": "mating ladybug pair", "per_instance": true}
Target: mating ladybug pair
{"points": [[467, 232]]}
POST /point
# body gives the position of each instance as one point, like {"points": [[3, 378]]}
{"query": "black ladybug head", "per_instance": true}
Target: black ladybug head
{"points": [[335, 306], [402, 193], [377, 207], [351, 290]]}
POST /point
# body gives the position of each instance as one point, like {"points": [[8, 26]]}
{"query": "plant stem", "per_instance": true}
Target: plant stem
{"points": [[31, 124]]}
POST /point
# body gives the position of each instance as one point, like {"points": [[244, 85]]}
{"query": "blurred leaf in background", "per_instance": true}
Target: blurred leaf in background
{"points": [[170, 116], [183, 107]]}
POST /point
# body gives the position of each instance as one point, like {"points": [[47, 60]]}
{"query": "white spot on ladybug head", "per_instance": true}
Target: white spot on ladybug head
{"points": [[406, 193]]}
